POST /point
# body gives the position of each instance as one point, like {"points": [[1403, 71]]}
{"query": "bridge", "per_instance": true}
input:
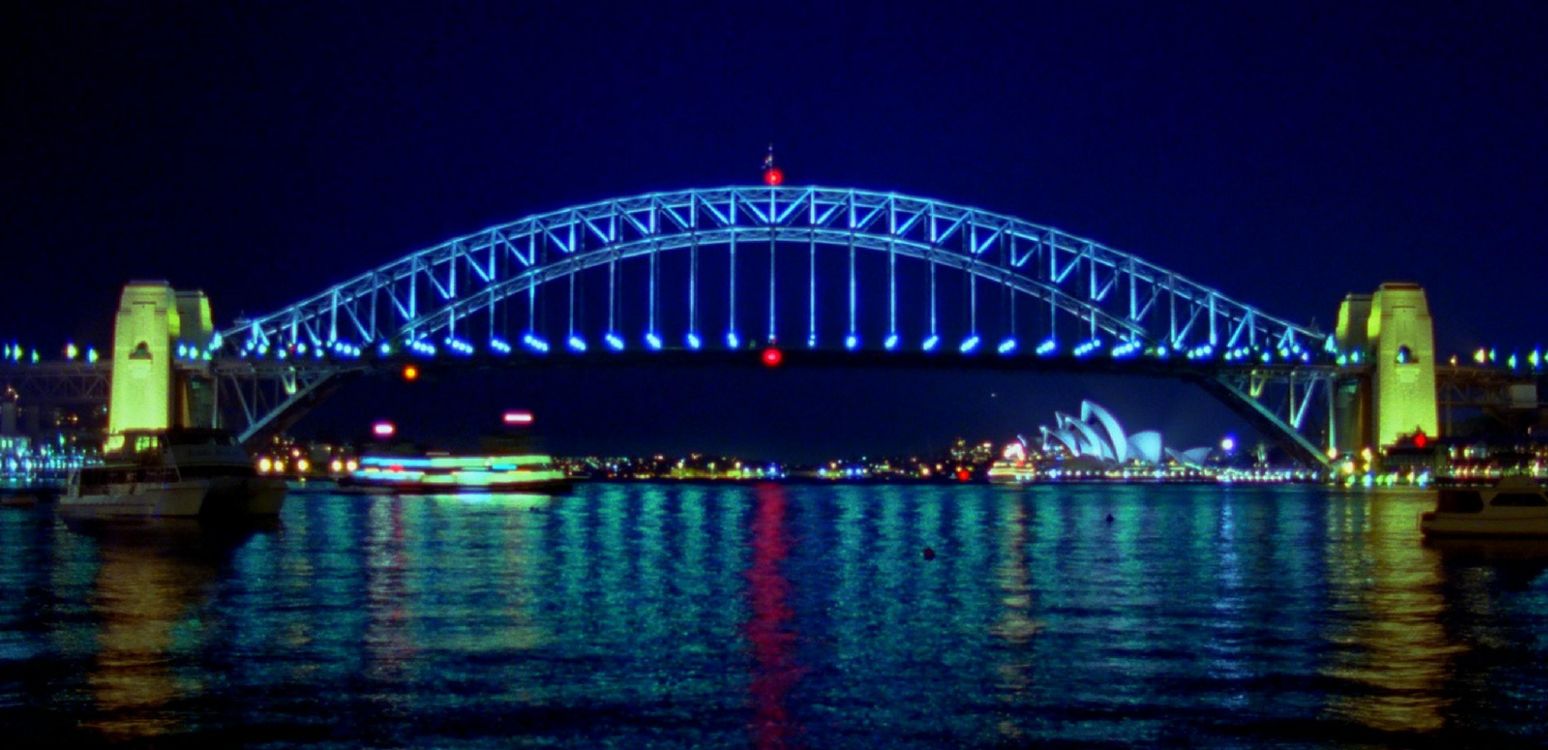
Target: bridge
{"points": [[822, 276]]}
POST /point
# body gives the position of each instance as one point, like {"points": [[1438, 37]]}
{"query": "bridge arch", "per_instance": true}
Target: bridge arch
{"points": [[452, 294], [538, 284]]}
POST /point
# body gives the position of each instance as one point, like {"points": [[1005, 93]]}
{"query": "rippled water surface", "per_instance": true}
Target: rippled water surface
{"points": [[780, 616]]}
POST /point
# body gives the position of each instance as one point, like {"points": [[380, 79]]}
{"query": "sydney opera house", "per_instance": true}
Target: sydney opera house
{"points": [[1097, 440]]}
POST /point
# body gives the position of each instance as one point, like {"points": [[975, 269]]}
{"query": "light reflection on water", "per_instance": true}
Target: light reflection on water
{"points": [[782, 616]]}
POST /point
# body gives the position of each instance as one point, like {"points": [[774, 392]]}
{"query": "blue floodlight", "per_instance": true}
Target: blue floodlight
{"points": [[969, 344], [1007, 346], [577, 344], [732, 341], [891, 342], [1126, 349], [499, 345], [653, 341], [851, 342], [693, 341], [1047, 346], [614, 342], [931, 342], [531, 341]]}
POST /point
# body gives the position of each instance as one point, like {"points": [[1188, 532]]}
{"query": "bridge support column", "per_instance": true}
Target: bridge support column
{"points": [[147, 391], [1391, 334]]}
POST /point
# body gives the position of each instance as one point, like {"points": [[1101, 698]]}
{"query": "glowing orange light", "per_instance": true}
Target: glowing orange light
{"points": [[410, 373], [772, 357], [773, 176]]}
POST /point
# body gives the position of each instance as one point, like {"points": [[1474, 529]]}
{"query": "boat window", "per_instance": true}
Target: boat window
{"points": [[222, 470], [197, 436], [1459, 501], [1519, 500]]}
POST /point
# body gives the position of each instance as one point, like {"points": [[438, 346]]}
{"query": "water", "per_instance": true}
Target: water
{"points": [[800, 616]]}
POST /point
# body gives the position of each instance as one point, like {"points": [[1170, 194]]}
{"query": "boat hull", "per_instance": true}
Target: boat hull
{"points": [[220, 497], [540, 486], [1475, 525]]}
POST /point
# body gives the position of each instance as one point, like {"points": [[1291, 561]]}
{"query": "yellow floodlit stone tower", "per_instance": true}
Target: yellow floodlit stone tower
{"points": [[148, 392], [1391, 331], [1402, 340]]}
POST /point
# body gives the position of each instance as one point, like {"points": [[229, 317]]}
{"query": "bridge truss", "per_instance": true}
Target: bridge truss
{"points": [[454, 295]]}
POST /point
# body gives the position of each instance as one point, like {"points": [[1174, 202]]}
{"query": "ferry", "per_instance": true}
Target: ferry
{"points": [[177, 473], [443, 472], [1516, 507], [1011, 472], [1013, 467]]}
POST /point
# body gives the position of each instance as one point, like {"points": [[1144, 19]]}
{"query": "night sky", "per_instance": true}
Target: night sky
{"points": [[1285, 154]]}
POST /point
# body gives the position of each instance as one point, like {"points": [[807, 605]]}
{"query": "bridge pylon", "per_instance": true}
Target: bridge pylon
{"points": [[1389, 332], [150, 391]]}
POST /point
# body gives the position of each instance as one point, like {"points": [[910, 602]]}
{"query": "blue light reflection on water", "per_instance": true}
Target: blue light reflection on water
{"points": [[780, 616]]}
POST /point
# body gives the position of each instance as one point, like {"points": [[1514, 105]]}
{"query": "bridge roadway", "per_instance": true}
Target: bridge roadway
{"points": [[85, 385]]}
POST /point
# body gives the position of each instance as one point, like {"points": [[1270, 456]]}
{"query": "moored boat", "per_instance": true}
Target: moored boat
{"points": [[1516, 507], [178, 473]]}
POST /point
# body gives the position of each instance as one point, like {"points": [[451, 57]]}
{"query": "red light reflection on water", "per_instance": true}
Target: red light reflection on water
{"points": [[770, 629]]}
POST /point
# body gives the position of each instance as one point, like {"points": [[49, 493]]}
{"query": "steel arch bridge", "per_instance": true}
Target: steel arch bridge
{"points": [[811, 269]]}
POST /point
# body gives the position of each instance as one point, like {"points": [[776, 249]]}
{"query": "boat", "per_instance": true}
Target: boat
{"points": [[177, 473], [1011, 472], [1013, 466], [443, 472], [1516, 507]]}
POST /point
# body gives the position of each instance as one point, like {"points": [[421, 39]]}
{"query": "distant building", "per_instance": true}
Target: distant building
{"points": [[1097, 440]]}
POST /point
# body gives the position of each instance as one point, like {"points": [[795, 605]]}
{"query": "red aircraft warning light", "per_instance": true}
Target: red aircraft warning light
{"points": [[772, 357], [772, 175]]}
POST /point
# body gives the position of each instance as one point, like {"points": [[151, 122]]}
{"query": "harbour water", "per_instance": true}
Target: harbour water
{"points": [[645, 615]]}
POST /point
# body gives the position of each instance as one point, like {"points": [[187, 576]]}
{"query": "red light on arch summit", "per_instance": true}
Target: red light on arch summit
{"points": [[772, 357]]}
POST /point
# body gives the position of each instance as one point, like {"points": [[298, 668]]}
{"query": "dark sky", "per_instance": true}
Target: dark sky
{"points": [[1283, 153]]}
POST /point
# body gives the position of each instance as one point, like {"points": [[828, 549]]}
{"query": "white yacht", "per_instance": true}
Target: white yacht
{"points": [[200, 473], [1516, 507]]}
